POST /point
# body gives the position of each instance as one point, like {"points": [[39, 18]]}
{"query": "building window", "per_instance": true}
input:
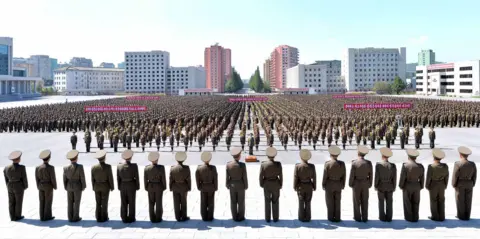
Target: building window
{"points": [[466, 83], [466, 68], [446, 83], [449, 90], [465, 91], [447, 77], [419, 83], [466, 76], [419, 77], [419, 72]]}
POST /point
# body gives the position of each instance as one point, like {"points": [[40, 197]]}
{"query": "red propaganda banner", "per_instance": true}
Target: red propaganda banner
{"points": [[115, 108], [366, 106], [151, 97], [248, 99], [349, 96]]}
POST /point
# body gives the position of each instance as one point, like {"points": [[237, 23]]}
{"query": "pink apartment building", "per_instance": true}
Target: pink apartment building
{"points": [[218, 67], [282, 58]]}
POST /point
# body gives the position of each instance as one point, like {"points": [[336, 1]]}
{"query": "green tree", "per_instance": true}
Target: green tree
{"points": [[230, 86], [234, 82], [398, 85], [266, 87], [256, 82], [382, 88]]}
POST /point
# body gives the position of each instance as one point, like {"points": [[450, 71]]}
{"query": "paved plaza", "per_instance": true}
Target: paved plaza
{"points": [[254, 227]]}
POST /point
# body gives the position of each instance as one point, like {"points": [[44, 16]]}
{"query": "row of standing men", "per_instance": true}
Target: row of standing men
{"points": [[411, 182]]}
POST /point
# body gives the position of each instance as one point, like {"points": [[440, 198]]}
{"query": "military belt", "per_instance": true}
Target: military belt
{"points": [[127, 180], [361, 178], [45, 182], [180, 181], [14, 181], [207, 182], [465, 179], [438, 179], [271, 179], [412, 181], [386, 181], [334, 179], [100, 181], [73, 181], [305, 181], [154, 181]]}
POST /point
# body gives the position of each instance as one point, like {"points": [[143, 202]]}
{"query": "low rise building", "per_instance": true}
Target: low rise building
{"points": [[456, 79], [88, 81], [322, 76], [184, 78]]}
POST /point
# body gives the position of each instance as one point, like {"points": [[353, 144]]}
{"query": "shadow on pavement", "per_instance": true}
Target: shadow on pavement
{"points": [[259, 223]]}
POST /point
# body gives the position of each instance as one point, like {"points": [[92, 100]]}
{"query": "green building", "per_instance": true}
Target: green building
{"points": [[426, 57]]}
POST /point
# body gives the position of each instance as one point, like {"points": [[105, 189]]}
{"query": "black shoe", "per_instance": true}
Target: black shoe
{"points": [[267, 220], [275, 220], [18, 218], [48, 219]]}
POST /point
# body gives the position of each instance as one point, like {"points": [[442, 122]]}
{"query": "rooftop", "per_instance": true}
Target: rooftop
{"points": [[73, 68]]}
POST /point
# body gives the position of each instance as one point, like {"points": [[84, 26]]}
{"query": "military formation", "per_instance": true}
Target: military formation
{"points": [[362, 177], [317, 121]]}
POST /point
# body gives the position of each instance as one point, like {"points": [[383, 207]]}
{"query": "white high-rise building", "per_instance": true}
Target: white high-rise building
{"points": [[456, 79], [146, 71], [184, 78], [41, 67], [363, 67], [321, 77], [85, 81]]}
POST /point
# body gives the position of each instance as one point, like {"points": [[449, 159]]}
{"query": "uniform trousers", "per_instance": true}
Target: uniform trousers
{"points": [[15, 204], [271, 204], [155, 205], [360, 202], [74, 198], [207, 205], [127, 207], [180, 205], [46, 200], [437, 201], [237, 204], [101, 210], [333, 199], [463, 198], [385, 206], [304, 205], [411, 204]]}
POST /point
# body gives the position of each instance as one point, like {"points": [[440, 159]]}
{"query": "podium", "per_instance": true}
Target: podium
{"points": [[251, 159]]}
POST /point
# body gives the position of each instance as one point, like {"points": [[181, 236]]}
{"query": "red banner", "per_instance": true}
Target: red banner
{"points": [[365, 106], [115, 108], [248, 99], [349, 96], [152, 97]]}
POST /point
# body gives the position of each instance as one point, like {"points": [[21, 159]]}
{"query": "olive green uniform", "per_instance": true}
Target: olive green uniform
{"points": [[436, 183], [74, 183], [411, 182], [17, 182], [385, 183], [304, 183], [334, 178], [237, 183], [102, 184], [207, 183], [180, 184], [128, 183], [464, 178], [155, 184], [271, 180], [46, 183]]}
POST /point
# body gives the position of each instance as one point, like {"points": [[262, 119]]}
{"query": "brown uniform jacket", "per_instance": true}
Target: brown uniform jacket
{"points": [[271, 175], [304, 177], [15, 178], [361, 171], [45, 177], [236, 176], [334, 175], [206, 177], [102, 178], [180, 178], [154, 178], [385, 177], [412, 173], [464, 174], [74, 178], [437, 172], [127, 176]]}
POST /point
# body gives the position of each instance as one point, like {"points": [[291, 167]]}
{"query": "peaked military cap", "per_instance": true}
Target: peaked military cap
{"points": [[100, 154], [305, 154], [15, 155], [180, 156], [206, 156], [464, 150], [45, 154], [334, 150], [153, 156], [438, 153], [362, 150], [235, 151], [386, 152], [412, 153], [271, 152], [72, 154], [127, 154]]}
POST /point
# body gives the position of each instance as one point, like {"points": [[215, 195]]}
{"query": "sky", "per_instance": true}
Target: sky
{"points": [[103, 30]]}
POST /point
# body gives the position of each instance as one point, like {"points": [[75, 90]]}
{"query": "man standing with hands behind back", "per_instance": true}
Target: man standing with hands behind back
{"points": [[46, 183], [271, 180], [385, 183], [207, 183], [16, 180], [155, 183], [304, 183], [463, 180]]}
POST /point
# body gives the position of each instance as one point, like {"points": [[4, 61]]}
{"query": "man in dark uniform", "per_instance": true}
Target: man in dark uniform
{"points": [[228, 141], [285, 140], [237, 183], [155, 182], [388, 138], [344, 138], [88, 140], [361, 179], [371, 137], [464, 178], [251, 143], [100, 141], [17, 182], [432, 137], [115, 139], [180, 184], [403, 139], [304, 183], [417, 138], [158, 140], [102, 184], [385, 183], [128, 183], [129, 141], [334, 177], [411, 182], [271, 180], [73, 140], [185, 142], [299, 140], [315, 140], [74, 183], [143, 141], [46, 183], [436, 183], [172, 141], [207, 183]]}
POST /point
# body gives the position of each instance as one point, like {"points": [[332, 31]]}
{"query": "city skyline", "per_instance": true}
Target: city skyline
{"points": [[132, 26]]}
